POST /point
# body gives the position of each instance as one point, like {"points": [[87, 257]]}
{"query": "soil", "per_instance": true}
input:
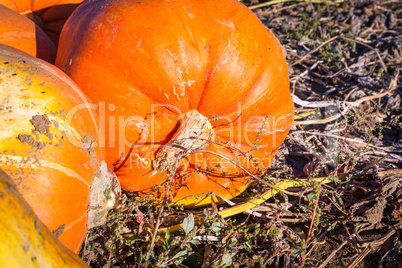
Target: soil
{"points": [[36, 145], [42, 124], [344, 63], [88, 146]]}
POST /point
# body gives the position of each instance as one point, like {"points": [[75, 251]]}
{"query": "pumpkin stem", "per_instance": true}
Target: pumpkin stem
{"points": [[195, 131], [105, 190], [33, 17]]}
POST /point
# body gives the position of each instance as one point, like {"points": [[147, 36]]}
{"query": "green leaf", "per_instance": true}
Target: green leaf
{"points": [[227, 259], [298, 251], [188, 224], [167, 236], [194, 242], [216, 227], [180, 254], [206, 213], [312, 197]]}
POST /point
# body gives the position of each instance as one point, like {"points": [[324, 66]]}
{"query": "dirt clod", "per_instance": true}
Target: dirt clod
{"points": [[58, 232], [88, 146], [42, 124], [36, 145]]}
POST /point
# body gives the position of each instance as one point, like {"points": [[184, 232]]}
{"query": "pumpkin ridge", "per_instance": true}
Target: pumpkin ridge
{"points": [[239, 97], [14, 4], [77, 220], [238, 16], [208, 72], [155, 101], [206, 84], [44, 163], [135, 86], [209, 65], [244, 97]]}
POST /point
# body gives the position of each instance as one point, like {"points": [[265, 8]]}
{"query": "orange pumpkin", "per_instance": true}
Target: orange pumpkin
{"points": [[20, 32], [24, 240], [161, 69], [50, 15], [49, 146]]}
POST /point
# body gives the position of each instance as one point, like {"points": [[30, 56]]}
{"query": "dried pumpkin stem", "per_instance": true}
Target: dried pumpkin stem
{"points": [[33, 17], [194, 133]]}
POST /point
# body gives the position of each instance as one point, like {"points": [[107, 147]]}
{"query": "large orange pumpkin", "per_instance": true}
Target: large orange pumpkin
{"points": [[160, 69], [50, 15], [19, 32], [49, 146]]}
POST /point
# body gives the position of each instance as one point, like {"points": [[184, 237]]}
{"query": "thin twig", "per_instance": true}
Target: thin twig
{"points": [[369, 247], [311, 227], [300, 102], [345, 38], [370, 47], [318, 121], [268, 12], [314, 50], [273, 2], [246, 171], [158, 220]]}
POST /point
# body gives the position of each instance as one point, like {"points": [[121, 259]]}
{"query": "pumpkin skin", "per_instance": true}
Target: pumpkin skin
{"points": [[50, 15], [148, 62], [49, 140], [19, 32], [24, 239]]}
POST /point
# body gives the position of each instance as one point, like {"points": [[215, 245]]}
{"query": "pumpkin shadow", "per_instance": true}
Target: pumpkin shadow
{"points": [[45, 48], [53, 19]]}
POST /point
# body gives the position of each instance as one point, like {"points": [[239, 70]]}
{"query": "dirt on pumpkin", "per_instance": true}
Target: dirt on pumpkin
{"points": [[344, 63], [88, 146]]}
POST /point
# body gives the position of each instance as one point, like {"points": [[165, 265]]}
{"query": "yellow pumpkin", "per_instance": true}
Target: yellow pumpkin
{"points": [[24, 239]]}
